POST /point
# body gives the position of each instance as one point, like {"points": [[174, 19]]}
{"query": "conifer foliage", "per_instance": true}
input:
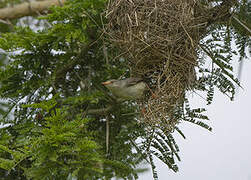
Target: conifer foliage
{"points": [[57, 112]]}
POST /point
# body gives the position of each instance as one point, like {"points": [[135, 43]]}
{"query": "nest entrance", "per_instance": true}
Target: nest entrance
{"points": [[159, 39]]}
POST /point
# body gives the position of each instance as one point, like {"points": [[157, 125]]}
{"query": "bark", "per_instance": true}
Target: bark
{"points": [[28, 9]]}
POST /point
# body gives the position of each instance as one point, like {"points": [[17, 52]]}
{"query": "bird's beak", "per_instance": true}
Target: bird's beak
{"points": [[106, 82]]}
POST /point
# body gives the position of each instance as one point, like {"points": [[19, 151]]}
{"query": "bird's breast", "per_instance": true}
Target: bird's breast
{"points": [[136, 91], [132, 92]]}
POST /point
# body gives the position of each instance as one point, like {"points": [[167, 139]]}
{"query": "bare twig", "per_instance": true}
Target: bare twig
{"points": [[107, 135]]}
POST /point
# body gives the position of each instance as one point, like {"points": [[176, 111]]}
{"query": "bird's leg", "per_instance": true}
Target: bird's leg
{"points": [[153, 94], [143, 111]]}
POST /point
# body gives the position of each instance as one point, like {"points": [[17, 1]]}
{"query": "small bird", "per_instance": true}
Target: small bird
{"points": [[126, 89], [123, 90]]}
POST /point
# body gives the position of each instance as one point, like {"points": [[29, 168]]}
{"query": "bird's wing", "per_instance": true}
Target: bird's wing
{"points": [[134, 80]]}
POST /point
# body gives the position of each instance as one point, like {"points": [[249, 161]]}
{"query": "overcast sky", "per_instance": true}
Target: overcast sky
{"points": [[225, 153]]}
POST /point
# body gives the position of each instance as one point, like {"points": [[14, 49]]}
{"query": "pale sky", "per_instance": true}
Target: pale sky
{"points": [[224, 153]]}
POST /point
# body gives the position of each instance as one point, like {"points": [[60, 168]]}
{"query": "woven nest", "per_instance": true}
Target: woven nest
{"points": [[159, 39]]}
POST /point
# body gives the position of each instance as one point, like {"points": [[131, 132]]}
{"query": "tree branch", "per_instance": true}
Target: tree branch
{"points": [[101, 111], [28, 9], [221, 12], [242, 24]]}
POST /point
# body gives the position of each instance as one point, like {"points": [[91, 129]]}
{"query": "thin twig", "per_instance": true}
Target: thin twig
{"points": [[107, 135]]}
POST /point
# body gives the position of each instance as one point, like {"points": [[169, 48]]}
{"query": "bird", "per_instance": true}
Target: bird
{"points": [[126, 89], [123, 90]]}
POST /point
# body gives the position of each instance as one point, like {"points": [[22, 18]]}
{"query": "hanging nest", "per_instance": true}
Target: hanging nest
{"points": [[160, 40]]}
